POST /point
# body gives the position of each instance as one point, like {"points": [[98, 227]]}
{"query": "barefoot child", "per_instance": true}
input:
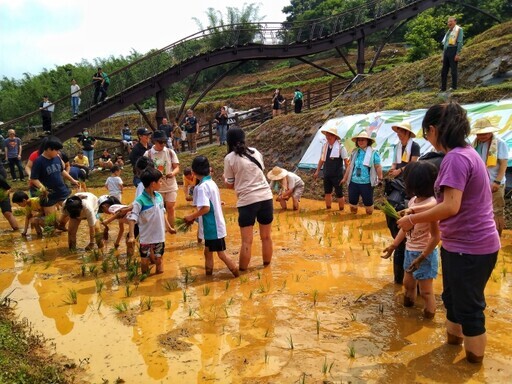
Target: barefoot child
{"points": [[34, 214], [212, 227], [111, 205], [420, 262], [149, 213]]}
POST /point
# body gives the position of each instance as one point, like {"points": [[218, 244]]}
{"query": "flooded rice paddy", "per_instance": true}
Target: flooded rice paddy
{"points": [[326, 309]]}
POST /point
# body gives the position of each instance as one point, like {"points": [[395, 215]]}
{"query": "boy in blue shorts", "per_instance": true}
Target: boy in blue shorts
{"points": [[212, 227], [149, 213]]}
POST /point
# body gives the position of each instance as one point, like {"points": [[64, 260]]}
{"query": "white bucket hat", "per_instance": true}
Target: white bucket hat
{"points": [[277, 173]]}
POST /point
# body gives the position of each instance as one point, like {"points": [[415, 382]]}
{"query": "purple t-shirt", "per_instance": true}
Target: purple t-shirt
{"points": [[472, 230]]}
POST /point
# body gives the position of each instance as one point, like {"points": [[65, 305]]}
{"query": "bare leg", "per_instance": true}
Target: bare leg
{"points": [[266, 243], [427, 292], [410, 290], [208, 261], [295, 203], [72, 229], [245, 249], [169, 206], [229, 263], [328, 200], [454, 333], [144, 264], [475, 347], [369, 210], [159, 265], [341, 203], [282, 202], [353, 209]]}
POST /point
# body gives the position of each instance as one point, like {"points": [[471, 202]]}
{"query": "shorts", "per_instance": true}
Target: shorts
{"points": [[428, 267], [145, 250], [263, 211], [464, 280], [333, 182], [215, 245], [299, 190], [169, 197], [364, 190], [5, 205]]}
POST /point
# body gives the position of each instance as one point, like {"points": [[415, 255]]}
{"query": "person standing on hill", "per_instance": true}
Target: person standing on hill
{"points": [[277, 103], [452, 45], [13, 150], [101, 83], [192, 129], [297, 100], [221, 118], [46, 109]]}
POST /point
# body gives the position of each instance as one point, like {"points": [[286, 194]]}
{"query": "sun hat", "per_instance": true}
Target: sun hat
{"points": [[277, 173], [483, 125], [159, 136], [363, 135], [403, 125], [102, 199], [332, 131], [143, 131]]}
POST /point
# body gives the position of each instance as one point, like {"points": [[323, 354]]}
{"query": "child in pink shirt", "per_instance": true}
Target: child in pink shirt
{"points": [[420, 261]]}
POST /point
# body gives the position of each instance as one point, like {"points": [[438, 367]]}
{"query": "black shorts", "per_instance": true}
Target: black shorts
{"points": [[333, 182], [5, 205], [145, 250], [216, 245], [263, 211], [365, 191]]}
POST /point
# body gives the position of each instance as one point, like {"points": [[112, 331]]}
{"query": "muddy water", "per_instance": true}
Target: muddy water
{"points": [[327, 295]]}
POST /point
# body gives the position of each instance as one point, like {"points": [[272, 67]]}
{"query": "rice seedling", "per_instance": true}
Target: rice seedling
{"points": [[315, 297], [353, 316], [128, 291], [47, 264], [92, 270], [226, 286], [326, 368], [226, 312], [170, 285], [83, 269], [267, 332], [43, 254], [98, 306], [297, 278], [320, 240], [188, 276], [267, 357], [230, 301], [259, 275], [329, 241], [388, 209], [261, 288], [283, 286], [359, 298], [168, 304], [243, 280], [317, 325], [381, 308], [302, 378], [121, 307], [181, 225], [143, 276], [100, 284], [504, 271], [146, 302], [352, 352], [250, 294], [289, 338], [184, 296], [206, 290], [104, 265], [72, 297], [239, 339]]}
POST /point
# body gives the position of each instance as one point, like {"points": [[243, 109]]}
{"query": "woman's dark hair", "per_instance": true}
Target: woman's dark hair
{"points": [[419, 177], [236, 142], [143, 163], [19, 196], [73, 206], [150, 175], [451, 122]]}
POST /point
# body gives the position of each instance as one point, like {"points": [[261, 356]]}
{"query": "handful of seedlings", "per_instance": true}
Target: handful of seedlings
{"points": [[388, 209], [181, 225]]}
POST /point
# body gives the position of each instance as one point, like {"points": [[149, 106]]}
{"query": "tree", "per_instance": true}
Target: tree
{"points": [[421, 35]]}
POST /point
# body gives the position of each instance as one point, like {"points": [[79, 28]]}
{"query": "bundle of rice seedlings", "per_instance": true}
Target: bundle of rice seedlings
{"points": [[388, 209], [181, 225]]}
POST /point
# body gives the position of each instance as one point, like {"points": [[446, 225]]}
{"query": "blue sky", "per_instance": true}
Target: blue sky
{"points": [[36, 34]]}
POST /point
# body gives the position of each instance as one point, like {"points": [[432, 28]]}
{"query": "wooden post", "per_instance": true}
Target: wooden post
{"points": [[308, 99], [360, 56], [210, 131], [330, 92], [160, 107]]}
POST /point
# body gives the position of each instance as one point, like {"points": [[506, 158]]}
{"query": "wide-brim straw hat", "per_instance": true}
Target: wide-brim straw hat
{"points": [[332, 131], [277, 173], [363, 135], [404, 125], [483, 125]]}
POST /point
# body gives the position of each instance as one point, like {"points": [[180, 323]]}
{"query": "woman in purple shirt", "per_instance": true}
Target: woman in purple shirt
{"points": [[470, 241]]}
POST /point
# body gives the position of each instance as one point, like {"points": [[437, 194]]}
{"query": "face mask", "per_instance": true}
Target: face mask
{"points": [[86, 134]]}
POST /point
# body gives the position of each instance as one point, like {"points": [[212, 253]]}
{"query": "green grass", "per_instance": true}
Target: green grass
{"points": [[18, 362]]}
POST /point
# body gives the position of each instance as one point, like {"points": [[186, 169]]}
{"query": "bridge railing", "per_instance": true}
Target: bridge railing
{"points": [[234, 35]]}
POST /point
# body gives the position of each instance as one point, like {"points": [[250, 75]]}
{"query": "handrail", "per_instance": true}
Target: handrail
{"points": [[214, 38]]}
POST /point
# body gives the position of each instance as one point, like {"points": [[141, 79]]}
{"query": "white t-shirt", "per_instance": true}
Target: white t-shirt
{"points": [[249, 181], [212, 225], [114, 185], [89, 208], [163, 161]]}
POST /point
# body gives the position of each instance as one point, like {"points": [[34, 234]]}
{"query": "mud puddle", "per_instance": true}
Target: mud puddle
{"points": [[324, 311]]}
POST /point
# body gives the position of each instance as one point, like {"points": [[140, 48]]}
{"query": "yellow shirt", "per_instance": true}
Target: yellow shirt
{"points": [[33, 206], [84, 161]]}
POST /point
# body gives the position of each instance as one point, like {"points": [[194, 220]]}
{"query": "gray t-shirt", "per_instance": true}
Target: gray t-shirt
{"points": [[12, 146]]}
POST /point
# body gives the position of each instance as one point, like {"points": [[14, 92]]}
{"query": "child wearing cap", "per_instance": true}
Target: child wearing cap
{"points": [[363, 173], [165, 160], [286, 184], [212, 227], [333, 157]]}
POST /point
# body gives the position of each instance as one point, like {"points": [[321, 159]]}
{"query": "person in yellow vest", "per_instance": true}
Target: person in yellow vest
{"points": [[494, 153], [452, 45]]}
